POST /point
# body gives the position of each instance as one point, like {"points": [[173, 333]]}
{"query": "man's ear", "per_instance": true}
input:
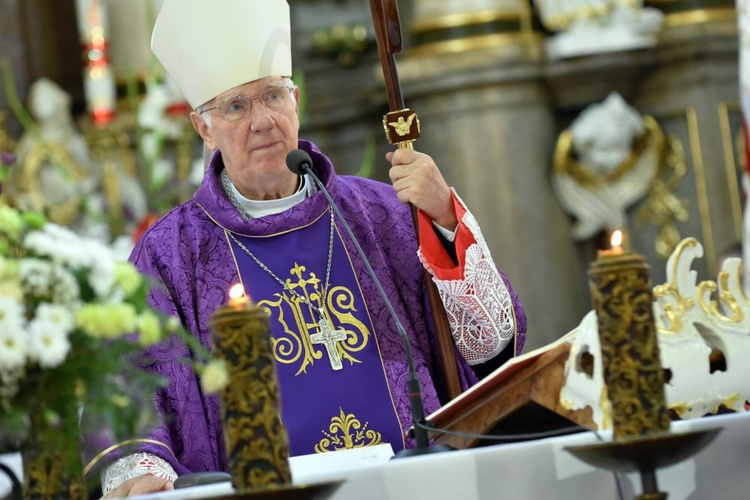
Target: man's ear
{"points": [[296, 99], [203, 130]]}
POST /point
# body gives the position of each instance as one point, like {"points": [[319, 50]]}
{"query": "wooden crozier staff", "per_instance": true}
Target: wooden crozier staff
{"points": [[402, 128]]}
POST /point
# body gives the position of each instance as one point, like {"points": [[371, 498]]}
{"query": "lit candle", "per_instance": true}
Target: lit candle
{"points": [[621, 293], [616, 247], [98, 79], [256, 441], [237, 297]]}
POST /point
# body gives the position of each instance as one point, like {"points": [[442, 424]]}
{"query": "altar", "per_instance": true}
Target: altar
{"points": [[534, 470]]}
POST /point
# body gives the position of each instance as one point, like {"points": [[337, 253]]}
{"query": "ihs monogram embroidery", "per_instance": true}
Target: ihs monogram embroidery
{"points": [[338, 335]]}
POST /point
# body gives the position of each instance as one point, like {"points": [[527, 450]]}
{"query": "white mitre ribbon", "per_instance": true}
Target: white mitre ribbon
{"points": [[210, 47]]}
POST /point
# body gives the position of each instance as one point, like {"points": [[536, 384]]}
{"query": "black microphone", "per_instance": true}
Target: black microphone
{"points": [[300, 163]]}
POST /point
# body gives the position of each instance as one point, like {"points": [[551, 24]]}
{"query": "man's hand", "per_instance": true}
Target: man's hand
{"points": [[417, 180], [139, 486]]}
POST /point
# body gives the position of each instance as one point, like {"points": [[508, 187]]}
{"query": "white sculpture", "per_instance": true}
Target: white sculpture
{"points": [[54, 169], [604, 163], [704, 344], [56, 173], [587, 27]]}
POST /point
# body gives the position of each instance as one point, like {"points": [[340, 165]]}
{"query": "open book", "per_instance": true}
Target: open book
{"points": [[532, 380]]}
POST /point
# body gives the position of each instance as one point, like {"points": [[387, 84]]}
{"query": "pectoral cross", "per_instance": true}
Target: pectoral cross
{"points": [[329, 338]]}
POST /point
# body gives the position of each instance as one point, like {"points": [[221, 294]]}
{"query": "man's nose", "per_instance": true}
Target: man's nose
{"points": [[260, 117]]}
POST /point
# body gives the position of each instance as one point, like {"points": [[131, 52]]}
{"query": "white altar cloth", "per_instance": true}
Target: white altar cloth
{"points": [[542, 469], [535, 470]]}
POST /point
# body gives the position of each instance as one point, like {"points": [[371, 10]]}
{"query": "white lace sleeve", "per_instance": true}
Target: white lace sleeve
{"points": [[479, 306], [135, 465]]}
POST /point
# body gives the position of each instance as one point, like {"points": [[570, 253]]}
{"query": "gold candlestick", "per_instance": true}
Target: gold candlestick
{"points": [[257, 442], [620, 287]]}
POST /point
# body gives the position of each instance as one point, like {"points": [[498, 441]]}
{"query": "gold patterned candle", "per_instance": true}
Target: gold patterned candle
{"points": [[621, 293], [257, 442]]}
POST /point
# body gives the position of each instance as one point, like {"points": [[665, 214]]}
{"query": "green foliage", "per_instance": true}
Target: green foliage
{"points": [[69, 339]]}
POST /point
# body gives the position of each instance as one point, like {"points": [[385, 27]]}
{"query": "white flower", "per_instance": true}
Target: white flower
{"points": [[58, 243], [13, 349], [65, 290], [11, 314], [48, 343], [57, 315], [42, 280], [102, 273], [36, 277], [13, 339]]}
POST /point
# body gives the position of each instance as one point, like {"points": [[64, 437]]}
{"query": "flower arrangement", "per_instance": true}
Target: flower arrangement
{"points": [[73, 324]]}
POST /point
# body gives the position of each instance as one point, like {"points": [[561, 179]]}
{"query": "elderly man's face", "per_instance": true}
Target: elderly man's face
{"points": [[254, 148]]}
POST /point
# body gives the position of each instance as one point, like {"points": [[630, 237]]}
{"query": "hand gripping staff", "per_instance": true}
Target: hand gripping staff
{"points": [[402, 128]]}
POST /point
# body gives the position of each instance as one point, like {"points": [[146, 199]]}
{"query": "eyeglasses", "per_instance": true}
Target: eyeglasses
{"points": [[234, 108]]}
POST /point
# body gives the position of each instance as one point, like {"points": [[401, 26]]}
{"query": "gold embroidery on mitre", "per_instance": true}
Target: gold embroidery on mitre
{"points": [[299, 321], [345, 432]]}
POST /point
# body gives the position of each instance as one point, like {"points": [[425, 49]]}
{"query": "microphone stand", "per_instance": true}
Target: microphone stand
{"points": [[299, 162]]}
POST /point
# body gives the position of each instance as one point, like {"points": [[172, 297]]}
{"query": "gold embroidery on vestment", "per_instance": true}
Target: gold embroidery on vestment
{"points": [[299, 321], [345, 432]]}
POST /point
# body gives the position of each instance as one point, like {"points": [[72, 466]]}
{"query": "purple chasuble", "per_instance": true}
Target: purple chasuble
{"points": [[323, 408], [188, 255]]}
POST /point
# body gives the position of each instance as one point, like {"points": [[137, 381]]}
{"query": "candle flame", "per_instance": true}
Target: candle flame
{"points": [[616, 240], [237, 291]]}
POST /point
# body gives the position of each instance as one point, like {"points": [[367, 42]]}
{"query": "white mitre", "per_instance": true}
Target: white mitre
{"points": [[210, 47]]}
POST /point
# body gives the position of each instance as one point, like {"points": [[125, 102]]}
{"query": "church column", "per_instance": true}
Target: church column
{"points": [[474, 75], [693, 93]]}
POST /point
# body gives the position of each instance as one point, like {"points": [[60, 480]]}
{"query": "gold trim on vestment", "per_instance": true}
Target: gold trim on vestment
{"points": [[122, 444]]}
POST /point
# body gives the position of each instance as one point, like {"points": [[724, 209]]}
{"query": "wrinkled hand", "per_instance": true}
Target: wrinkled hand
{"points": [[417, 180], [140, 485]]}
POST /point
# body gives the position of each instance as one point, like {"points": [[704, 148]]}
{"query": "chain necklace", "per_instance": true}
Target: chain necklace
{"points": [[226, 184], [285, 285], [230, 191], [326, 335]]}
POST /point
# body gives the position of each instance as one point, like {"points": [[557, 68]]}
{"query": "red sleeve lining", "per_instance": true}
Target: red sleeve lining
{"points": [[435, 254]]}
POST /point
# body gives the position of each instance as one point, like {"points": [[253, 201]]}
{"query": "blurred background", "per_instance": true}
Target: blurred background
{"points": [[557, 121]]}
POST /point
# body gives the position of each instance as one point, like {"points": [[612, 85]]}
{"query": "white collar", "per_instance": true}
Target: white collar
{"points": [[261, 208]]}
